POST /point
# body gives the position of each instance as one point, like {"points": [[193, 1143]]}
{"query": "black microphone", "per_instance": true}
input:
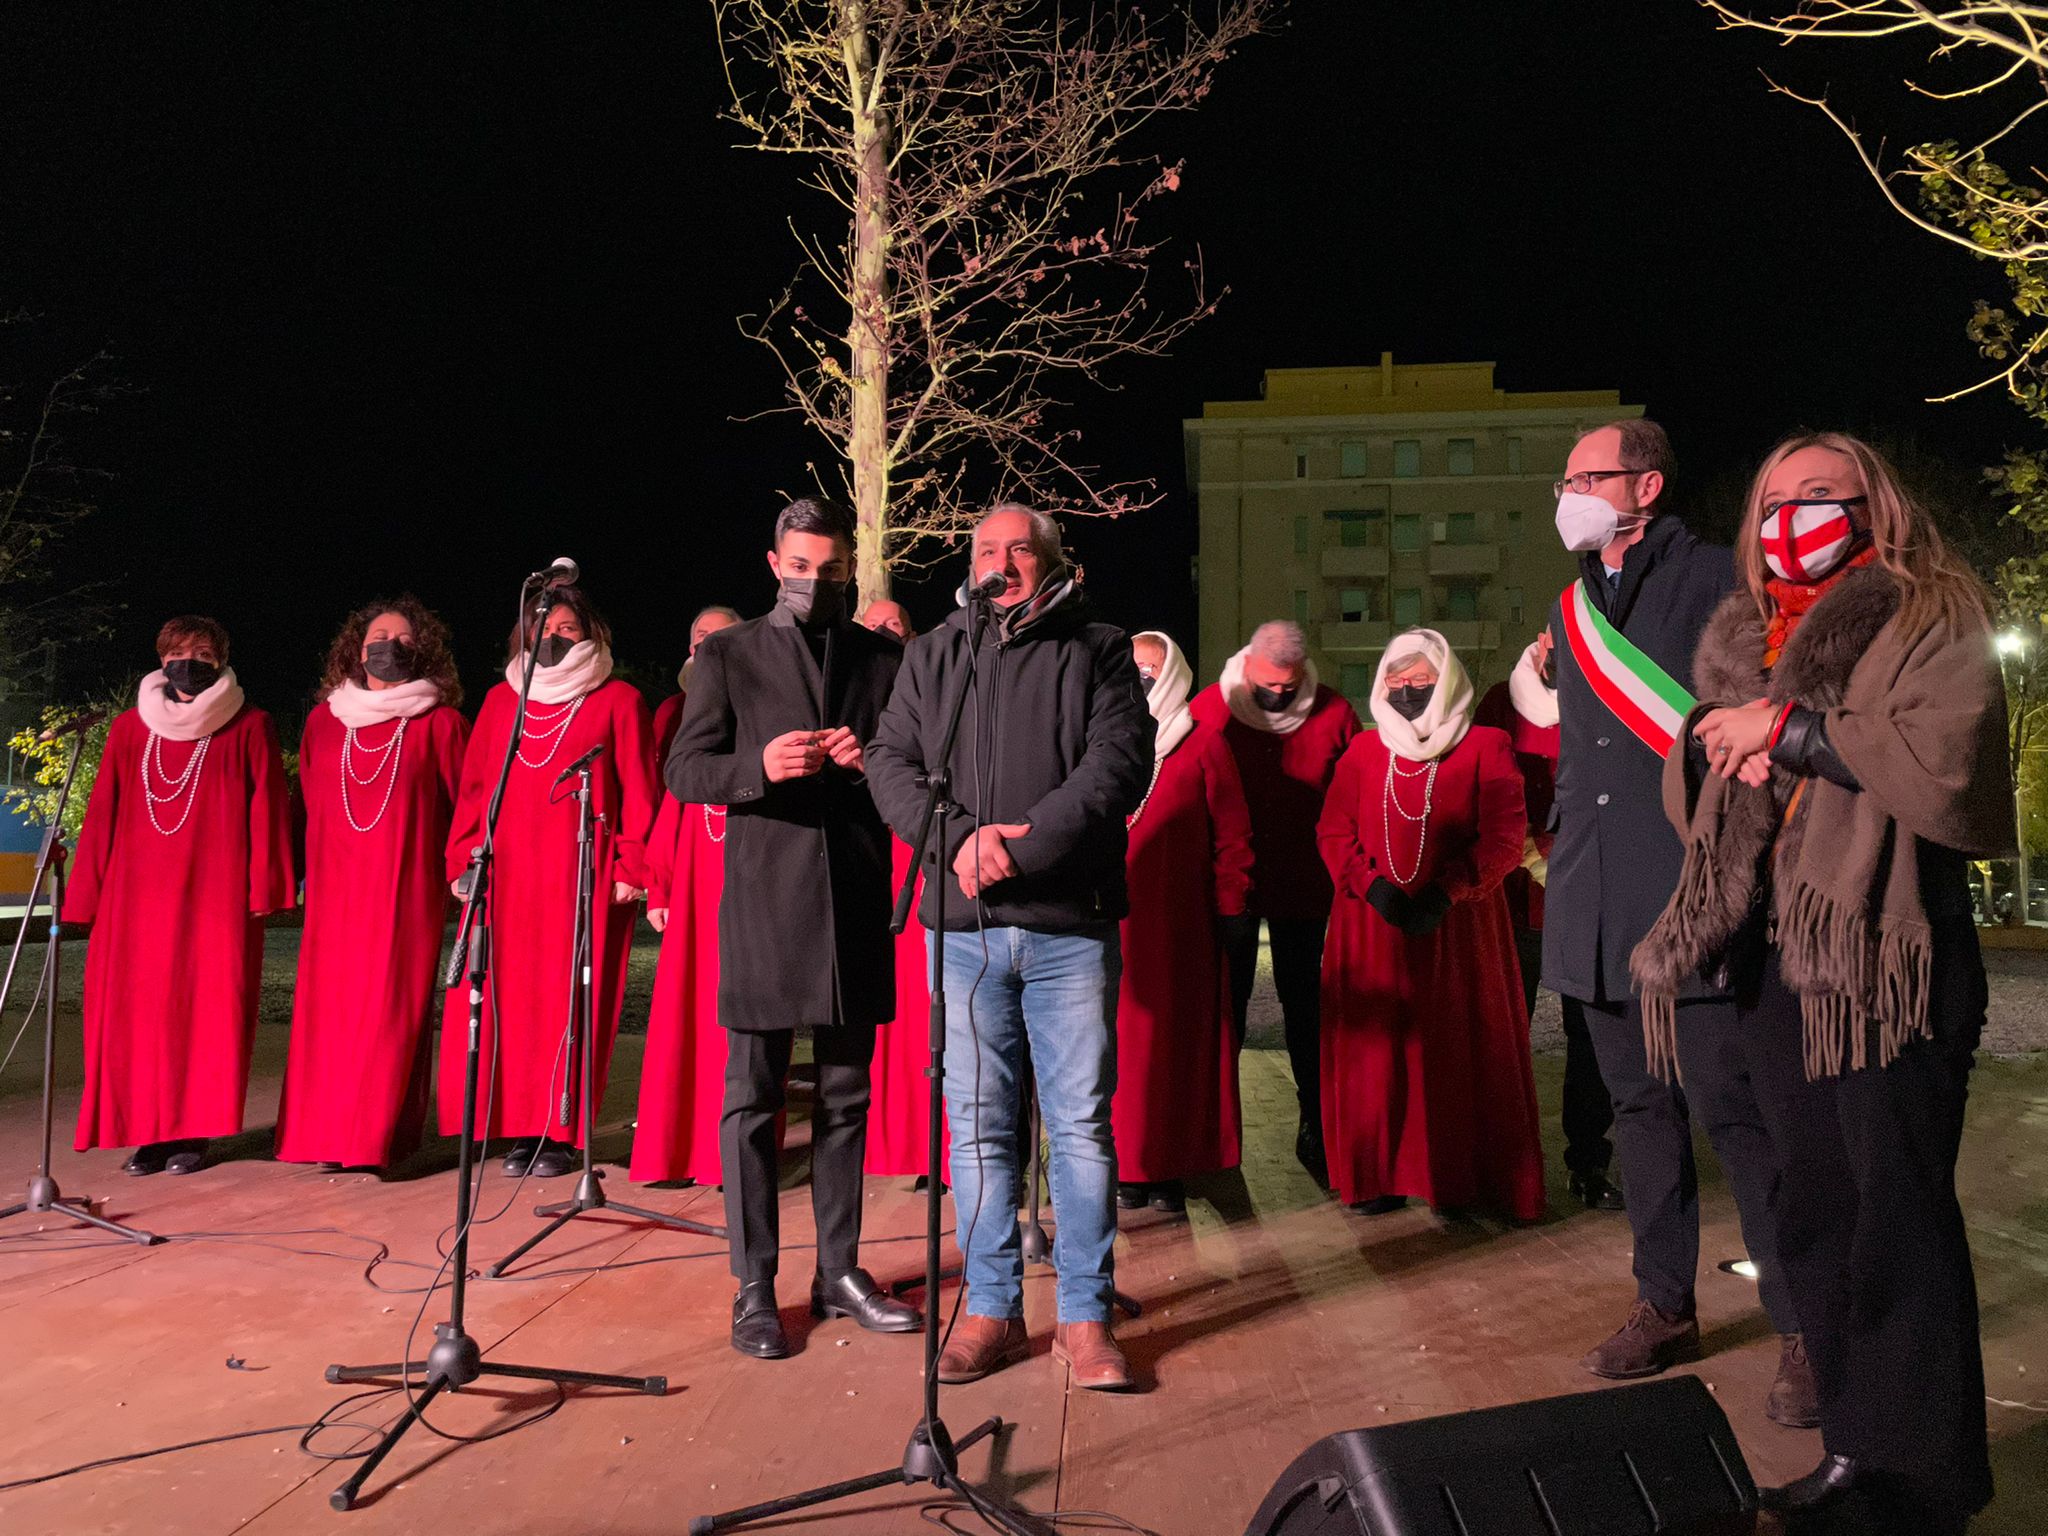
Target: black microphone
{"points": [[563, 573], [580, 764], [74, 725], [990, 587]]}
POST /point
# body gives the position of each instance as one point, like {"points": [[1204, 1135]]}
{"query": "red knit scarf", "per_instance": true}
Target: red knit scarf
{"points": [[1792, 599]]}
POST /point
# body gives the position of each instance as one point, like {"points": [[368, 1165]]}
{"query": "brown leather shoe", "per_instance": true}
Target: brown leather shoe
{"points": [[1649, 1342], [980, 1345], [1089, 1352], [1795, 1396]]}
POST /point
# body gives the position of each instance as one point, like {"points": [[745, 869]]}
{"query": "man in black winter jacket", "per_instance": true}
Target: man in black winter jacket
{"points": [[1054, 752]]}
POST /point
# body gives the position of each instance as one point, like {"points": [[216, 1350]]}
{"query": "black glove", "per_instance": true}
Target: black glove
{"points": [[1430, 907], [1804, 748], [1391, 902]]}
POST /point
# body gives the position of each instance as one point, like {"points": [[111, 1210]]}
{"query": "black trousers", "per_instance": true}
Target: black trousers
{"points": [[1588, 1108], [1298, 978], [755, 1066], [1653, 1128], [1872, 1236]]}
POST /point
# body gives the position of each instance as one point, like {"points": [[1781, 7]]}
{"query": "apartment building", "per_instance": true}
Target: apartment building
{"points": [[1365, 501]]}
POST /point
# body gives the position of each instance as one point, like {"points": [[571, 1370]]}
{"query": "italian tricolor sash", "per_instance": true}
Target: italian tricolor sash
{"points": [[1639, 693]]}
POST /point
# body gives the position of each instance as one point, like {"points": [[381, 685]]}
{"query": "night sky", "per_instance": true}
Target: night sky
{"points": [[422, 296]]}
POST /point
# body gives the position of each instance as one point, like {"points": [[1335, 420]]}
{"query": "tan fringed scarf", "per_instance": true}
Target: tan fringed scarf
{"points": [[1920, 721]]}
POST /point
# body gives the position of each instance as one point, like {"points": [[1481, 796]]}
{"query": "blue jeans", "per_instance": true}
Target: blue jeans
{"points": [[1056, 992]]}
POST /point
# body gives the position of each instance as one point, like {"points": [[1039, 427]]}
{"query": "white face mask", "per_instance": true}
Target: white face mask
{"points": [[1587, 522]]}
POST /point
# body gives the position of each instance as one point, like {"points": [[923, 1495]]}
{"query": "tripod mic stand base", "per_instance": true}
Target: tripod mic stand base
{"points": [[590, 1196], [45, 1199]]}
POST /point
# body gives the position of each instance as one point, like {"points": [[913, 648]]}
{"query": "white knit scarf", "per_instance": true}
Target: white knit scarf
{"points": [[1237, 693], [586, 666], [187, 719], [1168, 700], [1534, 700], [1441, 726], [359, 707]]}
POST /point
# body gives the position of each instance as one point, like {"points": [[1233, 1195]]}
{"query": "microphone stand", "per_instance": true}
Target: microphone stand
{"points": [[589, 1194], [932, 1456], [43, 1195], [455, 1360]]}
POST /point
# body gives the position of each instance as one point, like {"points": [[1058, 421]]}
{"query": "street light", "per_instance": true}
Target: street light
{"points": [[2011, 642]]}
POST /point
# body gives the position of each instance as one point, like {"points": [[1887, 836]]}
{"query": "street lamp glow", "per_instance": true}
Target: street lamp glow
{"points": [[2011, 643]]}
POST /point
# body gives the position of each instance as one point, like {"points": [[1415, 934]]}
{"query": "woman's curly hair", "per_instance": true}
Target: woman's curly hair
{"points": [[431, 643]]}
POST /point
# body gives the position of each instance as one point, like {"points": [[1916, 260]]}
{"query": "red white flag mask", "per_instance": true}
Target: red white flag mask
{"points": [[1804, 540]]}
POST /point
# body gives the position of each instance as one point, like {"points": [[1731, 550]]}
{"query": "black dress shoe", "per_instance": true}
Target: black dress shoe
{"points": [[1308, 1151], [1595, 1192], [1130, 1197], [1170, 1197], [518, 1156], [855, 1295], [147, 1159], [551, 1162], [1385, 1205], [756, 1325], [188, 1157], [1826, 1486]]}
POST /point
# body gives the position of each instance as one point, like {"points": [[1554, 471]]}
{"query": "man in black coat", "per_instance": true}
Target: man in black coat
{"points": [[1614, 864], [779, 713], [1054, 752]]}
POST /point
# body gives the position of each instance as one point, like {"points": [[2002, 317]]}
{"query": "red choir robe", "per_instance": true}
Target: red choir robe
{"points": [[899, 1137], [357, 1080], [682, 1072], [524, 1072], [176, 953], [1176, 1110], [1427, 1085], [668, 714]]}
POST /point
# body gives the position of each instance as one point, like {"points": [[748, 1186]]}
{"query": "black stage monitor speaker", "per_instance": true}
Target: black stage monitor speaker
{"points": [[1650, 1460]]}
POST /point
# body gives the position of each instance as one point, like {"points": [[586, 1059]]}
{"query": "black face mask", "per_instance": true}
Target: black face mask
{"points": [[811, 600], [1409, 701], [1274, 700], [191, 676], [552, 649], [1145, 682], [390, 661]]}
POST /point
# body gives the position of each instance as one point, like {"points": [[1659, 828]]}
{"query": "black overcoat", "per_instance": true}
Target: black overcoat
{"points": [[803, 927], [1616, 860]]}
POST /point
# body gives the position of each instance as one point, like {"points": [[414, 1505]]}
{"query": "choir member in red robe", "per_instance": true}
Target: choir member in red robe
{"points": [[186, 847], [682, 1072], [576, 704], [1427, 1087], [1176, 1109], [669, 713], [378, 769]]}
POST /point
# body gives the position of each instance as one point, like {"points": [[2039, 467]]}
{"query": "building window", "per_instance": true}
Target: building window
{"points": [[1301, 534], [1462, 528], [1300, 606], [1355, 605], [1513, 598], [1462, 451], [1514, 455], [1407, 607], [1357, 680], [1351, 459], [1461, 602], [1300, 464], [1514, 522], [1407, 458], [1408, 531], [1355, 530]]}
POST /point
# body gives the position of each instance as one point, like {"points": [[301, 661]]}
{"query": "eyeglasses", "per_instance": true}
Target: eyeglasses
{"points": [[1584, 481]]}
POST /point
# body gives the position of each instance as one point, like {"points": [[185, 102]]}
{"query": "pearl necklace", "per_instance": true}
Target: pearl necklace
{"points": [[714, 831], [1131, 820], [185, 786], [1391, 802], [553, 729], [386, 758]]}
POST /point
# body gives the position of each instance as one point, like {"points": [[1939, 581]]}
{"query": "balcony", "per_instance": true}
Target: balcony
{"points": [[1362, 636], [1355, 560], [1464, 559]]}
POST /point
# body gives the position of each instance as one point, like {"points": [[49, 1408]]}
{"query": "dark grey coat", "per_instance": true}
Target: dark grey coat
{"points": [[1616, 860], [803, 927]]}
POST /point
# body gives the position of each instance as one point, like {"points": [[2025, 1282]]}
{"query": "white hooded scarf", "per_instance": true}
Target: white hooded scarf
{"points": [[1441, 726], [1237, 693], [1168, 700]]}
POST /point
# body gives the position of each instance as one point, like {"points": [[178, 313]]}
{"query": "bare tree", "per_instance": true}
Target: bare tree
{"points": [[986, 250]]}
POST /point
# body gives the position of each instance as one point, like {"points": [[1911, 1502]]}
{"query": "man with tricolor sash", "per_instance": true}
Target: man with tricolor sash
{"points": [[1614, 672]]}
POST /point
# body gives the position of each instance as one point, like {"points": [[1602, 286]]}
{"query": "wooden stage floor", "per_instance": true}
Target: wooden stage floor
{"points": [[1272, 1317]]}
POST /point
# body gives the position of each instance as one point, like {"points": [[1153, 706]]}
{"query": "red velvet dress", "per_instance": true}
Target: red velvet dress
{"points": [[533, 900], [1427, 1087], [899, 1138], [682, 1073], [1176, 1110], [668, 714], [176, 952], [357, 1081]]}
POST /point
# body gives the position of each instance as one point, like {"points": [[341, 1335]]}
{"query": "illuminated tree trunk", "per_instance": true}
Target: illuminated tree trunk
{"points": [[867, 338]]}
